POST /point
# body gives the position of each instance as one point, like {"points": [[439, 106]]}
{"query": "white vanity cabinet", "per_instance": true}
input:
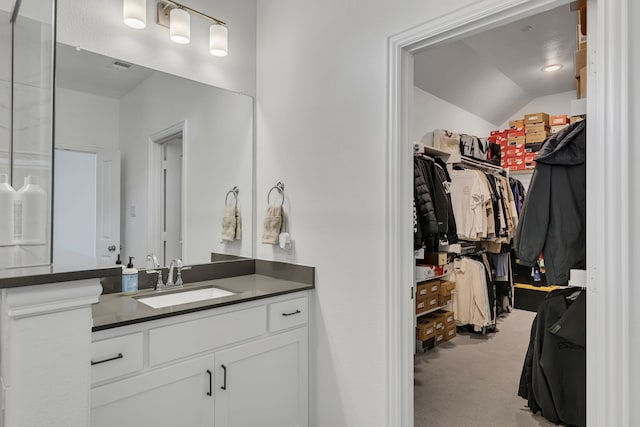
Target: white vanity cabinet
{"points": [[244, 365], [178, 395]]}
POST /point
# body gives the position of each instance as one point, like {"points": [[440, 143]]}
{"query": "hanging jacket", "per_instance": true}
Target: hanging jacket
{"points": [[425, 207], [452, 231], [553, 218], [553, 378]]}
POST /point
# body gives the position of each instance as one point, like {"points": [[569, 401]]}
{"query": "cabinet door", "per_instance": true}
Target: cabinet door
{"points": [[178, 395], [263, 383]]}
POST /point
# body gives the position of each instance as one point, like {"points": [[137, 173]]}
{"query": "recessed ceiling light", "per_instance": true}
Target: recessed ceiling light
{"points": [[551, 68]]}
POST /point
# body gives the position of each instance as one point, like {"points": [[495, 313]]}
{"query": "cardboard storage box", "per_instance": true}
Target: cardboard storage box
{"points": [[427, 303], [426, 345], [529, 164], [581, 39], [446, 316], [426, 289], [536, 137], [519, 167], [537, 128], [447, 287], [514, 133], [439, 337], [515, 124], [428, 271], [559, 120], [425, 329], [450, 332], [533, 147], [558, 128], [438, 320], [574, 119], [437, 258], [533, 118], [444, 300], [517, 140]]}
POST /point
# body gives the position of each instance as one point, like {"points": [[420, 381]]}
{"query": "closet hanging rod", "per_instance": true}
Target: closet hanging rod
{"points": [[482, 165]]}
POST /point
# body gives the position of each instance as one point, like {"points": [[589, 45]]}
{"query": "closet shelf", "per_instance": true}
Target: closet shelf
{"points": [[431, 279], [431, 310], [446, 156], [521, 172]]}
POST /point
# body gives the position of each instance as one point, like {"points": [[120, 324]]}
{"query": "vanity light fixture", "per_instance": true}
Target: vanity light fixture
{"points": [[176, 17], [179, 26], [134, 13]]}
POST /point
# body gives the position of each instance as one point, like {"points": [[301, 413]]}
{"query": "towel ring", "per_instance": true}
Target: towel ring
{"points": [[233, 191], [280, 187]]}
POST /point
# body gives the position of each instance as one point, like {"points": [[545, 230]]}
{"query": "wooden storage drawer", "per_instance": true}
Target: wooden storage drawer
{"points": [[287, 314], [114, 357], [184, 339]]}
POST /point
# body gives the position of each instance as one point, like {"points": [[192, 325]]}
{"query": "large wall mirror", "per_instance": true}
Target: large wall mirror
{"points": [[145, 162]]}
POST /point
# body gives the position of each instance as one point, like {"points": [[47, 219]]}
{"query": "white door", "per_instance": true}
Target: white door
{"points": [[74, 207], [263, 383], [176, 396], [107, 207]]}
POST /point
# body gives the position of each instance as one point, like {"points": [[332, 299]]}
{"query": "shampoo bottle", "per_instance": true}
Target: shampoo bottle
{"points": [[31, 212], [130, 279], [7, 199]]}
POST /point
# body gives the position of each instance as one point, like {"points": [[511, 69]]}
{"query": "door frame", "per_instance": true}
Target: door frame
{"points": [[608, 307], [156, 140]]}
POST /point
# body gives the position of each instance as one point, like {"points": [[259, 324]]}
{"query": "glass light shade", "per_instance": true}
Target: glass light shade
{"points": [[134, 13], [180, 26], [218, 40]]}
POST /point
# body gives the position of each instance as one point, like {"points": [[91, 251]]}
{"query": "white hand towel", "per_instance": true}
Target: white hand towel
{"points": [[272, 225], [238, 225], [229, 223]]}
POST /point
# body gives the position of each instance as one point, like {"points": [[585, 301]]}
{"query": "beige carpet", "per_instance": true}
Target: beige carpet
{"points": [[472, 381]]}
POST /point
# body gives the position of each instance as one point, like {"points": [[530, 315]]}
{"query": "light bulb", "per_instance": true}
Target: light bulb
{"points": [[218, 41], [551, 68], [134, 13], [179, 26]]}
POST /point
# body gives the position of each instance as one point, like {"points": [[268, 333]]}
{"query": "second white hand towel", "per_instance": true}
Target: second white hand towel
{"points": [[229, 224], [272, 225]]}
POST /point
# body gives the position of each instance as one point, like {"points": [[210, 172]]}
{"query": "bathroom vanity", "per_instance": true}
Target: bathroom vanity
{"points": [[238, 360]]}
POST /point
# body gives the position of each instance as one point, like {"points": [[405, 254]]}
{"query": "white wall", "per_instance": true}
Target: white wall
{"points": [[85, 121], [554, 105], [218, 146], [97, 26], [431, 112], [322, 128]]}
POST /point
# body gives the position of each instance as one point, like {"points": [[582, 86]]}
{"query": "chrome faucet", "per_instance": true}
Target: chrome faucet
{"points": [[156, 269], [176, 263]]}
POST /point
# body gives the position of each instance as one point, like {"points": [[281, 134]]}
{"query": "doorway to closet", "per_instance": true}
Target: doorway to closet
{"points": [[483, 105], [450, 29]]}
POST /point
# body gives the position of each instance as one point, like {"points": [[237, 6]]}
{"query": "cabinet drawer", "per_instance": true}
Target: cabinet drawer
{"points": [[173, 342], [289, 313], [114, 357]]}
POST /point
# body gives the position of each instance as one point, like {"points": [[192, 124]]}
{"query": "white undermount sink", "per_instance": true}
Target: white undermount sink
{"points": [[177, 298]]}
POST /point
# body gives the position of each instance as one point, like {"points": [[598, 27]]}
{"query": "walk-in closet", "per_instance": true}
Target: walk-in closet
{"points": [[499, 139]]}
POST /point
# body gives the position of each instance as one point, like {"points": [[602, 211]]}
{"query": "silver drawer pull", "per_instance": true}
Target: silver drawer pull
{"points": [[292, 313], [119, 356]]}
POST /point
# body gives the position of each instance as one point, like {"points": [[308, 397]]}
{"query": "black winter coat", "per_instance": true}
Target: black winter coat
{"points": [[554, 374], [425, 207], [553, 219]]}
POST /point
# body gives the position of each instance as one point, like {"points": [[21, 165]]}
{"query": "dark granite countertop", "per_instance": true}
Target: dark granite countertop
{"points": [[114, 310], [28, 276]]}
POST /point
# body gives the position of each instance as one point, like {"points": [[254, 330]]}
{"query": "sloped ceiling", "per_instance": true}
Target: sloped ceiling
{"points": [[497, 72]]}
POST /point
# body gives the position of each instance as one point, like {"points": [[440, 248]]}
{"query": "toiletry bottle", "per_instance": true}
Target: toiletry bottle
{"points": [[7, 198], [130, 279], [119, 261], [31, 211]]}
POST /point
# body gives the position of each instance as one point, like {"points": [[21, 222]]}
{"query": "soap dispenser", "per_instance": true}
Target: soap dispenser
{"points": [[130, 279]]}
